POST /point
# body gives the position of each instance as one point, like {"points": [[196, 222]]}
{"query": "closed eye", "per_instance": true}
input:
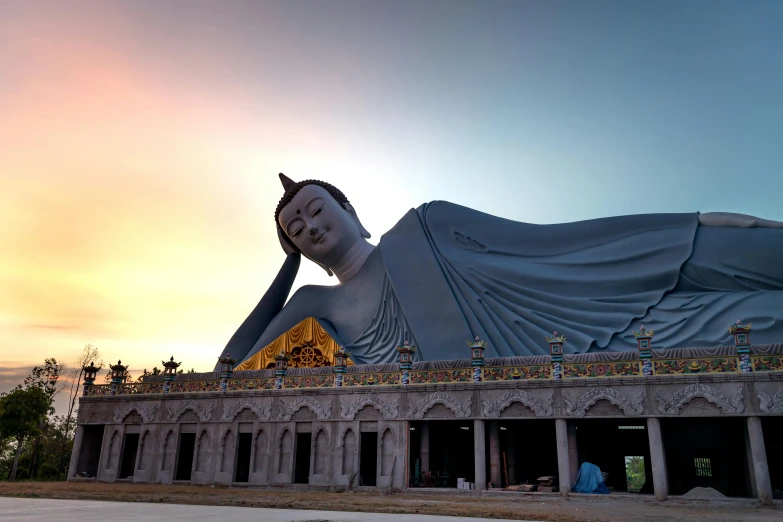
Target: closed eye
{"points": [[317, 211], [297, 231]]}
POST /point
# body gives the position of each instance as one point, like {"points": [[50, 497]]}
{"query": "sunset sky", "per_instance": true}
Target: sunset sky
{"points": [[140, 141]]}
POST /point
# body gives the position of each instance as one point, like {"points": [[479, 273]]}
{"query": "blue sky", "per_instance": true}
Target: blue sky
{"points": [[140, 141]]}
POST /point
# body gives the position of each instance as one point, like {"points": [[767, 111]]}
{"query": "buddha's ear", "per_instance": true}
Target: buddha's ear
{"points": [[364, 232], [288, 247]]}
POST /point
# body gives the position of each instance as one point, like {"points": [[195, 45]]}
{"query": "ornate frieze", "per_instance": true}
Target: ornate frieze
{"points": [[322, 412], [460, 410], [230, 411], [713, 395], [441, 376], [542, 408], [146, 413], [204, 414], [578, 408], [769, 404], [389, 411]]}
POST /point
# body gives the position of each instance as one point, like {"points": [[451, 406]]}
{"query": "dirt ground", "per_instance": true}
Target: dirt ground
{"points": [[503, 505]]}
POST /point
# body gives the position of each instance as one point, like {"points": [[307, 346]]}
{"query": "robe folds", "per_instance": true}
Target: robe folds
{"points": [[457, 273]]}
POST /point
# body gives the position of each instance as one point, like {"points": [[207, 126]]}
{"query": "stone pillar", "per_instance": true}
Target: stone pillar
{"points": [[750, 475], [76, 451], [657, 459], [424, 449], [480, 460], [511, 456], [760, 465], [563, 466], [573, 452], [494, 454]]}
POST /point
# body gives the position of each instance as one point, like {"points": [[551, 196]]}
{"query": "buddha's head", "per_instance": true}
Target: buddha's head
{"points": [[315, 218]]}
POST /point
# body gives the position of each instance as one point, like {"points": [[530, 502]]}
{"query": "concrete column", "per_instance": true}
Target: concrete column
{"points": [[494, 454], [511, 456], [573, 452], [657, 459], [76, 451], [424, 451], [760, 465], [750, 475], [563, 465], [480, 460]]}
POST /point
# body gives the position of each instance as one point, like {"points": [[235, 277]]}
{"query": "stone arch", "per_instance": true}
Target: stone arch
{"points": [[114, 449], [348, 446], [134, 412], [227, 451], [169, 451], [202, 451], [285, 449], [359, 408], [260, 450], [448, 401], [145, 451], [685, 395], [321, 411], [517, 403], [579, 407], [387, 452], [322, 451]]}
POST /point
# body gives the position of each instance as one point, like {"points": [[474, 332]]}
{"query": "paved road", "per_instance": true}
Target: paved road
{"points": [[35, 509]]}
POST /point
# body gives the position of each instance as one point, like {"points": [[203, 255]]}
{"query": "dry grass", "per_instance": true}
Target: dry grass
{"points": [[503, 506]]}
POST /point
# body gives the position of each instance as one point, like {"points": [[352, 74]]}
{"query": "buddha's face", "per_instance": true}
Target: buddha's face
{"points": [[319, 226]]}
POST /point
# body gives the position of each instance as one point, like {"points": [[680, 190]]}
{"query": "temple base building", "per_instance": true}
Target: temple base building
{"points": [[706, 417]]}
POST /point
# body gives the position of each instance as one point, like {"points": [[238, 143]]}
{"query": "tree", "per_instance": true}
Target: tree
{"points": [[45, 378], [22, 411], [90, 354]]}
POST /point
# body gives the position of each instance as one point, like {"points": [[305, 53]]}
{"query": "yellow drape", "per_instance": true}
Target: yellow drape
{"points": [[307, 332]]}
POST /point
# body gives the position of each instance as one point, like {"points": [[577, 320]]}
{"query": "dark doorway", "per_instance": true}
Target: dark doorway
{"points": [[450, 453], [609, 444], [302, 460], [368, 459], [90, 452], [244, 444], [187, 445], [523, 465], [129, 448], [706, 452]]}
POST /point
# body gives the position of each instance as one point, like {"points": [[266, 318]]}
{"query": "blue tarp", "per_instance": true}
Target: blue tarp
{"points": [[590, 480]]}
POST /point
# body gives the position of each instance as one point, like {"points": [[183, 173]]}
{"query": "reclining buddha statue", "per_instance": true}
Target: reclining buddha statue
{"points": [[445, 274]]}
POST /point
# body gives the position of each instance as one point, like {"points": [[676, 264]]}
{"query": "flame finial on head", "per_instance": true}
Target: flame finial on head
{"points": [[286, 181]]}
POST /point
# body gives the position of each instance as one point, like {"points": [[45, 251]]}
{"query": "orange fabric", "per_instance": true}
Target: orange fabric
{"points": [[306, 332]]}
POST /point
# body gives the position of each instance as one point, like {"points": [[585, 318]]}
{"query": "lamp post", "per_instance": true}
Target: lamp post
{"points": [[118, 374], [644, 345], [340, 366], [281, 369], [169, 373], [90, 372], [741, 333], [477, 347], [406, 352], [226, 370], [556, 353]]}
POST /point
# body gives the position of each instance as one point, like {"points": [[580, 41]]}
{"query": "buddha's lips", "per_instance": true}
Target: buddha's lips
{"points": [[319, 238]]}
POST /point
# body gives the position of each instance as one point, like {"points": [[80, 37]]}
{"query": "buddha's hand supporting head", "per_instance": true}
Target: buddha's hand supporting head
{"points": [[316, 219]]}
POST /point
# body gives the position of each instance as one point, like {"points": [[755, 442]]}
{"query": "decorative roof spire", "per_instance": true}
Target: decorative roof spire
{"points": [[286, 181]]}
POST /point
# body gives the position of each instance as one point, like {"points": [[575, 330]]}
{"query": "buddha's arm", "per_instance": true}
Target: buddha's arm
{"points": [[265, 311], [306, 302]]}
